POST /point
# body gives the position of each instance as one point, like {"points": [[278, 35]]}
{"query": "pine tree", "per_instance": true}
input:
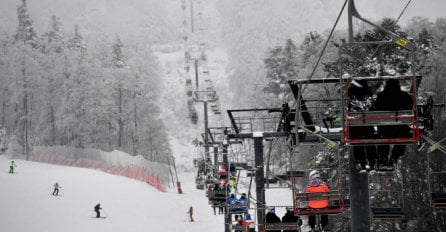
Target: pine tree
{"points": [[118, 57], [77, 43], [25, 31], [52, 63], [53, 39], [120, 73], [281, 66]]}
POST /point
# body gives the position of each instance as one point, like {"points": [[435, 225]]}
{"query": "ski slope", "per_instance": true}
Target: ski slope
{"points": [[129, 205]]}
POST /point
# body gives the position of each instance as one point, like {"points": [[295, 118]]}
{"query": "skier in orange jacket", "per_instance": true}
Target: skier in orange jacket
{"points": [[316, 185]]}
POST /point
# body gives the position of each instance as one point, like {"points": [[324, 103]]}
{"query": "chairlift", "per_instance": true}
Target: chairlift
{"points": [[390, 210], [333, 197], [437, 176], [194, 118], [199, 182], [358, 119]]}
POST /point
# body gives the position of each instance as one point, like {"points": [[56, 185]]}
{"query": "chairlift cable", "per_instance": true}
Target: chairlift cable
{"points": [[297, 103], [326, 43], [403, 11]]}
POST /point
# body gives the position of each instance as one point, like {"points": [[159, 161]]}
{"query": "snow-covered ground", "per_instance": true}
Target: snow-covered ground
{"points": [[28, 206], [129, 205]]}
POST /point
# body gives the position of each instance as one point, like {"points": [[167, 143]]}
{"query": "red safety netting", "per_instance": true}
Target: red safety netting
{"points": [[115, 162]]}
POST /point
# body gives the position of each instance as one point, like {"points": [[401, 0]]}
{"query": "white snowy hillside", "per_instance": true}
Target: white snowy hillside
{"points": [[128, 205]]}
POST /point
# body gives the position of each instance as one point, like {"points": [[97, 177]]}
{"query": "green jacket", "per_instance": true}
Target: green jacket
{"points": [[12, 164]]}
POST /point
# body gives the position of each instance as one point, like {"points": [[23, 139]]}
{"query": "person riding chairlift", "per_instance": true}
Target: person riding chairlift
{"points": [[316, 185]]}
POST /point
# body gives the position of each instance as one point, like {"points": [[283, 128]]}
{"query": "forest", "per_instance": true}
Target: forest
{"points": [[59, 89]]}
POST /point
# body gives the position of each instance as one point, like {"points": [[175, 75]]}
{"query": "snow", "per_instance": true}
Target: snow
{"points": [[129, 205]]}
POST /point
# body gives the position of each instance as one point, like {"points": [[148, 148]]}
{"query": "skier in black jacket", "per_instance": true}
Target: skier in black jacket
{"points": [[289, 217], [361, 100], [96, 209], [392, 98], [271, 217]]}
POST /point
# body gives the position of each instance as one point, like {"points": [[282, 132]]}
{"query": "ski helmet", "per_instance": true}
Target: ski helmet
{"points": [[314, 174]]}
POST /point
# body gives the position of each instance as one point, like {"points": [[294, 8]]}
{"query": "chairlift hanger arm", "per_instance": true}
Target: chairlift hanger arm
{"points": [[397, 39]]}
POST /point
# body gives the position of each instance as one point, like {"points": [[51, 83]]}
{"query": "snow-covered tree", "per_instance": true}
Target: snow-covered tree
{"points": [[281, 66], [25, 32]]}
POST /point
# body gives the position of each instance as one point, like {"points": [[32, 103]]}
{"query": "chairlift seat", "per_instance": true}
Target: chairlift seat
{"points": [[236, 227], [387, 213], [335, 203], [378, 119], [438, 200], [282, 226]]}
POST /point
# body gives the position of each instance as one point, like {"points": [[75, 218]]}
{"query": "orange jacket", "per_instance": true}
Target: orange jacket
{"points": [[318, 204]]}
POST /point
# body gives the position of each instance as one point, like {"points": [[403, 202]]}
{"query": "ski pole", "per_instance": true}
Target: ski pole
{"points": [[105, 213]]}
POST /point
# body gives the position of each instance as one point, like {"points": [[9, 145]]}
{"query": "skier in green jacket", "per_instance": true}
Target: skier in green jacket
{"points": [[11, 166]]}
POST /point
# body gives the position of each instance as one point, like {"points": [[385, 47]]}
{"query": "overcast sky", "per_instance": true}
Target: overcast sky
{"points": [[117, 15]]}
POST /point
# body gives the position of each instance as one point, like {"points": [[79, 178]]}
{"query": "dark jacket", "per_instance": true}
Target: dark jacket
{"points": [[289, 217], [361, 100], [272, 218], [97, 207], [392, 98]]}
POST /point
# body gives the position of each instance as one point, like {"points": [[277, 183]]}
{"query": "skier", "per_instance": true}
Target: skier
{"points": [[392, 98], [243, 202], [232, 203], [248, 223], [289, 217], [271, 217], [316, 185], [56, 189], [240, 222], [96, 209], [361, 99], [191, 214], [11, 166]]}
